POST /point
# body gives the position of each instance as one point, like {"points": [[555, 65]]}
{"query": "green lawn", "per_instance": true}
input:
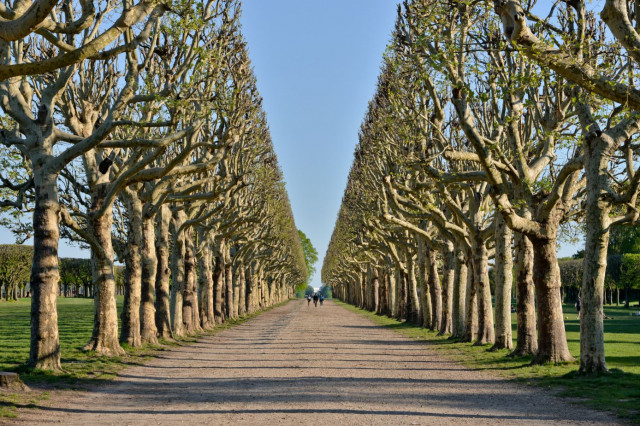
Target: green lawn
{"points": [[618, 391]]}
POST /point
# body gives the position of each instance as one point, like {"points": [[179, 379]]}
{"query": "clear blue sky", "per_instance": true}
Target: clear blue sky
{"points": [[317, 63]]}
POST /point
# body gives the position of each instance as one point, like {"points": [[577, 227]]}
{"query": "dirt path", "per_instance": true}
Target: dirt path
{"points": [[295, 365]]}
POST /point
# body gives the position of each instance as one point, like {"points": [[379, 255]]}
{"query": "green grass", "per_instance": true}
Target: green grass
{"points": [[617, 391], [80, 368]]}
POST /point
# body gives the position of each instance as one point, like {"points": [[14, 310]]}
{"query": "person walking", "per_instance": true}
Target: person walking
{"points": [[308, 300], [321, 299], [315, 299]]}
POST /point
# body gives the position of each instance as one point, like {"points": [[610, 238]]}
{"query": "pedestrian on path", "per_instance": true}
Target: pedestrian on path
{"points": [[321, 299], [308, 300], [315, 299]]}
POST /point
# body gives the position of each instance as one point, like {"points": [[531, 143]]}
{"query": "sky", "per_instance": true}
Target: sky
{"points": [[317, 64]]}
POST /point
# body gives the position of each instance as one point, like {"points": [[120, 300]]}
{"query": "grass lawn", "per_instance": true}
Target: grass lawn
{"points": [[75, 323], [618, 391]]}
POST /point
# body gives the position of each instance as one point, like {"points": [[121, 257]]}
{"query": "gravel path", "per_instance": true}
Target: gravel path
{"points": [[298, 365]]}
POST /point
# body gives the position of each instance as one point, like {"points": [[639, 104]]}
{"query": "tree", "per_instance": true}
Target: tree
{"points": [[310, 253]]}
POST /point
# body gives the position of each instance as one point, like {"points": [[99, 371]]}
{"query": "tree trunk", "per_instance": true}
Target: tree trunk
{"points": [[130, 329], [163, 275], [471, 309], [44, 350], [552, 339], [393, 293], [228, 282], [104, 339], [218, 283], [190, 298], [435, 289], [592, 357], [242, 290], [448, 276], [148, 329], [526, 343], [178, 273], [205, 276], [503, 282], [459, 294], [481, 283], [423, 282], [414, 301]]}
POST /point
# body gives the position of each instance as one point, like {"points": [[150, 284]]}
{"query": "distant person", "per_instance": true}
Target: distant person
{"points": [[578, 305], [321, 299], [308, 300], [315, 299]]}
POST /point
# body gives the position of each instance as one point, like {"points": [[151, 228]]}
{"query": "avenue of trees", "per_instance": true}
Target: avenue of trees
{"points": [[494, 126], [136, 129]]}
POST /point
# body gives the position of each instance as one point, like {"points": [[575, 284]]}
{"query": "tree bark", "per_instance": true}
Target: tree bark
{"points": [[130, 317], [459, 294], [471, 309], [448, 276], [178, 273], [481, 283], [526, 344], [190, 309], [148, 329], [552, 339], [435, 289], [592, 357], [205, 276], [104, 339], [218, 283], [163, 275], [503, 283], [44, 350]]}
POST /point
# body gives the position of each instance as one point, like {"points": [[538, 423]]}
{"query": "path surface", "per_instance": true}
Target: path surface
{"points": [[300, 365]]}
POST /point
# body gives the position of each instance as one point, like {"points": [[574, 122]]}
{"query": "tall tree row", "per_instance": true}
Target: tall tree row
{"points": [[476, 148], [145, 142]]}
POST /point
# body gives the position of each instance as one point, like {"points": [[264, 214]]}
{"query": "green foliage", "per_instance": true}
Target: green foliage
{"points": [[326, 291], [15, 263], [618, 391], [630, 271], [310, 253], [624, 239]]}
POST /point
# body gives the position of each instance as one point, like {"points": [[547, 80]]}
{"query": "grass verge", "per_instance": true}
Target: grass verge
{"points": [[617, 391], [80, 368]]}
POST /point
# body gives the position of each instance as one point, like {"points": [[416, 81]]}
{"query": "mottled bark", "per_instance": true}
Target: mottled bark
{"points": [[414, 312], [448, 276], [592, 356], [526, 343], [459, 294], [130, 317], [393, 293], [104, 338], [218, 284], [503, 282], [481, 283], [148, 329], [190, 309], [423, 282], [552, 339], [434, 289], [205, 277], [45, 345], [163, 274], [242, 290], [178, 277], [470, 308]]}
